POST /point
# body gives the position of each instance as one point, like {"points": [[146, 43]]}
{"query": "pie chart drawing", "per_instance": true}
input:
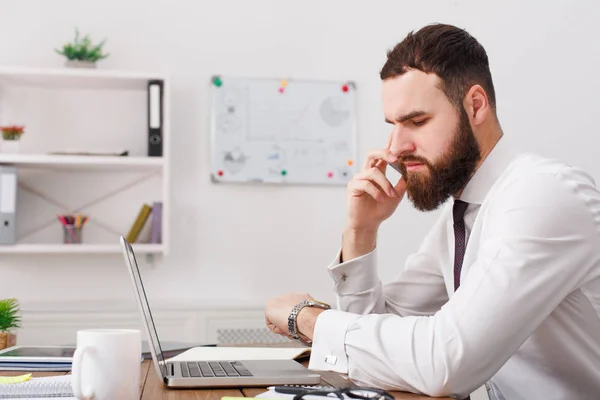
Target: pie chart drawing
{"points": [[333, 111], [234, 161]]}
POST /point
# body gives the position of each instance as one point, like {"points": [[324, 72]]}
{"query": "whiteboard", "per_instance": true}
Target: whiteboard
{"points": [[282, 131]]}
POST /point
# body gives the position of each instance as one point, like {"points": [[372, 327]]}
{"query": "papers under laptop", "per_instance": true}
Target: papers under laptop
{"points": [[182, 371], [242, 353]]}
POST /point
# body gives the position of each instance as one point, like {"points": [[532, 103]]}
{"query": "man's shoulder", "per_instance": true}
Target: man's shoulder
{"points": [[532, 166], [533, 177]]}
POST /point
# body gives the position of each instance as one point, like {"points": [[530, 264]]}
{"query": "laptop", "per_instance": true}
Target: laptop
{"points": [[201, 374]]}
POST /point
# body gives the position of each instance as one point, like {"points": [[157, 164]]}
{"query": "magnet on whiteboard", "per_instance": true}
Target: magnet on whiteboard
{"points": [[217, 81]]}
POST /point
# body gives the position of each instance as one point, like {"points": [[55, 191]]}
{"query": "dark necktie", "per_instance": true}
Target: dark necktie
{"points": [[460, 242], [460, 238]]}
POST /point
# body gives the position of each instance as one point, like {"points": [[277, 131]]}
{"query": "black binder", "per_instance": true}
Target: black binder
{"points": [[155, 117]]}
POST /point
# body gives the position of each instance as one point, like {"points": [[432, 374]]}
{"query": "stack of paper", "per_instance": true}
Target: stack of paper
{"points": [[242, 353]]}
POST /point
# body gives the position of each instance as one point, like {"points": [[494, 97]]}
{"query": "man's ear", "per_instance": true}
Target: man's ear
{"points": [[476, 105]]}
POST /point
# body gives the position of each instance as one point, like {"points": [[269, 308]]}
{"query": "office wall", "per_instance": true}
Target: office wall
{"points": [[236, 246]]}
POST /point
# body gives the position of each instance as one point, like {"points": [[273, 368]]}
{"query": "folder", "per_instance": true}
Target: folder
{"points": [[155, 117], [8, 204]]}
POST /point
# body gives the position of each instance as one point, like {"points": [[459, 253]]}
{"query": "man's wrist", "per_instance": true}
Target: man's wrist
{"points": [[306, 321], [357, 242]]}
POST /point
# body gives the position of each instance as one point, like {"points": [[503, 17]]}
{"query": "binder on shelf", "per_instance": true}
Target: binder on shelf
{"points": [[156, 227], [139, 223], [8, 204], [155, 118]]}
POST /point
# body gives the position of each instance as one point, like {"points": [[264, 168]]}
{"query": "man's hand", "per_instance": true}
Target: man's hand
{"points": [[371, 199], [279, 309]]}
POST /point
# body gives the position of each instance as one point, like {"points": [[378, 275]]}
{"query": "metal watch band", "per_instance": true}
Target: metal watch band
{"points": [[293, 317]]}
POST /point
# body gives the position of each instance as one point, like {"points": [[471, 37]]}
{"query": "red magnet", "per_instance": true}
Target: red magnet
{"points": [[345, 88], [220, 173], [330, 174]]}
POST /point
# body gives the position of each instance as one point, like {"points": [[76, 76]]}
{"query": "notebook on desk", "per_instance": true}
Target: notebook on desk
{"points": [[210, 373], [39, 388]]}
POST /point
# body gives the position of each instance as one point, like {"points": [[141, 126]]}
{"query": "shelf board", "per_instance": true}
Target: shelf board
{"points": [[34, 248], [77, 78], [75, 162]]}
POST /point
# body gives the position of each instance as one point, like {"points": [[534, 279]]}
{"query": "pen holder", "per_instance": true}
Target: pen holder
{"points": [[71, 234]]}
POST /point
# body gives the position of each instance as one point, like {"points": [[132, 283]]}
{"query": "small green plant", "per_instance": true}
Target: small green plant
{"points": [[12, 132], [82, 49], [9, 315]]}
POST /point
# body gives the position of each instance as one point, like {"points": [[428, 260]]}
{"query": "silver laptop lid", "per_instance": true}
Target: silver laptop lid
{"points": [[134, 272]]}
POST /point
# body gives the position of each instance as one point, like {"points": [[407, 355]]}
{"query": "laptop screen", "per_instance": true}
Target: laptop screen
{"points": [[143, 302]]}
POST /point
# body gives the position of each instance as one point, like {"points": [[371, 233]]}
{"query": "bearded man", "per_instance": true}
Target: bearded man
{"points": [[504, 290]]}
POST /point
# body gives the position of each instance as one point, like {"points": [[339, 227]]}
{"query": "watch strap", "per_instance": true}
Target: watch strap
{"points": [[293, 318]]}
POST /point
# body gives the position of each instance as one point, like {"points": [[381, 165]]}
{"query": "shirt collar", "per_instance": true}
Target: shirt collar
{"points": [[488, 173]]}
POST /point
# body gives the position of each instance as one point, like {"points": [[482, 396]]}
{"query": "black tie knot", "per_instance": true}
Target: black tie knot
{"points": [[459, 209]]}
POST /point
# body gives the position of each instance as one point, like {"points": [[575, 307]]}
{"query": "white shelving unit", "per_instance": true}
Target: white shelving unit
{"points": [[68, 162], [74, 78], [101, 80], [139, 248]]}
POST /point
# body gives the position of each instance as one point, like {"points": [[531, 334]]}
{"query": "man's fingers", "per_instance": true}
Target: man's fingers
{"points": [[400, 187], [359, 187], [277, 330], [378, 177], [379, 155]]}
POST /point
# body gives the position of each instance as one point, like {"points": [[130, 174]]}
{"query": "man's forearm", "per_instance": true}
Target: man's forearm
{"points": [[356, 243]]}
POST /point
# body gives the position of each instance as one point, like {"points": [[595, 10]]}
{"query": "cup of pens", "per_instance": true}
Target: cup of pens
{"points": [[72, 227]]}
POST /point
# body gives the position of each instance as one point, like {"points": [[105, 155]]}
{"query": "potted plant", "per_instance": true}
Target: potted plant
{"points": [[82, 52], [11, 135], [10, 319]]}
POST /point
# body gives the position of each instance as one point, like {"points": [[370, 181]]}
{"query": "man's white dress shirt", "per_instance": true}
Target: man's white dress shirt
{"points": [[526, 317]]}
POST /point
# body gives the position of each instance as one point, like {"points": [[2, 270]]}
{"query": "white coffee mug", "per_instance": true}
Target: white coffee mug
{"points": [[106, 364]]}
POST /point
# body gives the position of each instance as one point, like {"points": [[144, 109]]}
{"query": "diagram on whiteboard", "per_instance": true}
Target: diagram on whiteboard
{"points": [[282, 131]]}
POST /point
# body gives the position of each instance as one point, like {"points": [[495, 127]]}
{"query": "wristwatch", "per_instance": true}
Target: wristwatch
{"points": [[292, 319]]}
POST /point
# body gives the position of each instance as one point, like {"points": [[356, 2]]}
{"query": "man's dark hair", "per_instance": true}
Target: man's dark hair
{"points": [[447, 51]]}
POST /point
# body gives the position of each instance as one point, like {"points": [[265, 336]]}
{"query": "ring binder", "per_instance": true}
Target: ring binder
{"points": [[8, 201], [155, 118]]}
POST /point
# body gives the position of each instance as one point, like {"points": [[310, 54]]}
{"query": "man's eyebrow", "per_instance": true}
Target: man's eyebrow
{"points": [[408, 116]]}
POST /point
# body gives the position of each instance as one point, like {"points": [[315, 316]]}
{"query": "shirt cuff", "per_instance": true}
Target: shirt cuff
{"points": [[356, 275], [328, 348]]}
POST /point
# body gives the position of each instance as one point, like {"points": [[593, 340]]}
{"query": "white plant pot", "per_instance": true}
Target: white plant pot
{"points": [[80, 64], [10, 146]]}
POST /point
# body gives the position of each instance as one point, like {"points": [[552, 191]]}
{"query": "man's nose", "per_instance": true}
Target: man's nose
{"points": [[400, 143]]}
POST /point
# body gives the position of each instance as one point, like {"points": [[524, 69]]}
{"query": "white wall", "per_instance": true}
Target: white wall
{"points": [[236, 246]]}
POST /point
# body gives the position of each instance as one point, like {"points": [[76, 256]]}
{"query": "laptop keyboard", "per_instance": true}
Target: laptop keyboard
{"points": [[213, 369]]}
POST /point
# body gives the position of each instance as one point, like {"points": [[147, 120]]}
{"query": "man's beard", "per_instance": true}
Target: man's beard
{"points": [[450, 173]]}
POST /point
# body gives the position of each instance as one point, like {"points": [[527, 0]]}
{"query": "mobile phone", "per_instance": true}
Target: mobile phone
{"points": [[396, 166]]}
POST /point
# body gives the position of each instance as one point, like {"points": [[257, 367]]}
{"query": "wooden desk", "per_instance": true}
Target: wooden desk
{"points": [[152, 387]]}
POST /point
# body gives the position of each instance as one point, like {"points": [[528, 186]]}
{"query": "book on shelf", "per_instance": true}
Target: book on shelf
{"points": [[156, 227], [139, 223], [120, 153]]}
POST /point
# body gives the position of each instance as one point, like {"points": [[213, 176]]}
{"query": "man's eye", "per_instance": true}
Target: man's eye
{"points": [[419, 122]]}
